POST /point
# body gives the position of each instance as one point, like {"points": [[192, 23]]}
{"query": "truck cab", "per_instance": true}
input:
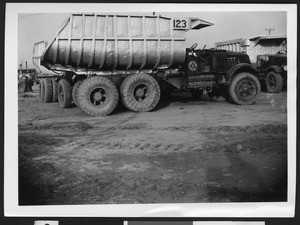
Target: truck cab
{"points": [[214, 61], [221, 73]]}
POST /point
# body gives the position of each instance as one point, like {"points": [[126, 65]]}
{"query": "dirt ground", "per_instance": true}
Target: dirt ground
{"points": [[185, 151]]}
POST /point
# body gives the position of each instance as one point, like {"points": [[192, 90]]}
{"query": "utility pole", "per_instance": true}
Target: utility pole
{"points": [[269, 30]]}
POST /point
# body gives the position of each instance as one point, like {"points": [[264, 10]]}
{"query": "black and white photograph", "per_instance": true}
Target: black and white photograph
{"points": [[159, 107]]}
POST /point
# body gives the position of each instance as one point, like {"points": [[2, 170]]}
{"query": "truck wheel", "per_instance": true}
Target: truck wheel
{"points": [[196, 93], [41, 90], [48, 93], [75, 91], [64, 93], [97, 96], [274, 82], [244, 89], [140, 92], [55, 91]]}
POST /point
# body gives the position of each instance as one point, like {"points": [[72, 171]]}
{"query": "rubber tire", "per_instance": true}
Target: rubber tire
{"points": [[127, 88], [75, 91], [279, 82], [41, 90], [55, 90], [196, 93], [64, 93], [234, 97], [48, 94], [87, 86]]}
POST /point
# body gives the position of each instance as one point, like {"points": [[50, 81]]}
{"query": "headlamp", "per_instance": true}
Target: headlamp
{"points": [[285, 68]]}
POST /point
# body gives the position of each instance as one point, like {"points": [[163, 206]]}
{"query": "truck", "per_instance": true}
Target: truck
{"points": [[101, 59], [272, 71]]}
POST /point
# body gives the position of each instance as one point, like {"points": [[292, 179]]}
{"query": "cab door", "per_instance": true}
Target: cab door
{"points": [[192, 65]]}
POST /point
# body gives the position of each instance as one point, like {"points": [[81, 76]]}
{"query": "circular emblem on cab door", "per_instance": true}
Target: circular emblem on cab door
{"points": [[192, 65]]}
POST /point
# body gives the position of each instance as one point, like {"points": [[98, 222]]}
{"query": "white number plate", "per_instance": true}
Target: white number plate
{"points": [[181, 24]]}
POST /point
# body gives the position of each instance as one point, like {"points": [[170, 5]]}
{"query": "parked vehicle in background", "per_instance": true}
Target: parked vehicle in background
{"points": [[272, 72], [104, 58]]}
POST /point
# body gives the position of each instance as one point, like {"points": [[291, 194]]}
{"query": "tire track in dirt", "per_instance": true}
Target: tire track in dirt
{"points": [[186, 152]]}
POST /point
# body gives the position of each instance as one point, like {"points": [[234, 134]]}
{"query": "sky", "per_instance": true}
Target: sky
{"points": [[38, 27]]}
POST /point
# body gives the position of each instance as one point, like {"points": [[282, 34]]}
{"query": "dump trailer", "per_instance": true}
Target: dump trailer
{"points": [[103, 58]]}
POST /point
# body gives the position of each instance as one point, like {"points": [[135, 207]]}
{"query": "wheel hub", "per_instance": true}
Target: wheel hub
{"points": [[246, 89], [272, 81], [98, 96], [141, 92]]}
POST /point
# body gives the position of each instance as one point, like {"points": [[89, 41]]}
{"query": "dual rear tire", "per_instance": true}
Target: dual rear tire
{"points": [[99, 96], [48, 90], [140, 92]]}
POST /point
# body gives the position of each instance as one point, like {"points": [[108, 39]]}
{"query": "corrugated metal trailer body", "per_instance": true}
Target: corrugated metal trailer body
{"points": [[38, 50], [108, 42]]}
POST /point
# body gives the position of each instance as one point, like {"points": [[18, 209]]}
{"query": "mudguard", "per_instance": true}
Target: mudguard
{"points": [[239, 68], [274, 68]]}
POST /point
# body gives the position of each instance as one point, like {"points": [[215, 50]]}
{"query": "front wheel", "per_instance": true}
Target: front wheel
{"points": [[97, 96], [244, 89], [140, 92], [274, 82]]}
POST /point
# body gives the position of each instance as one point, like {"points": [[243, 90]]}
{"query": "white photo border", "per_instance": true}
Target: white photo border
{"points": [[262, 209]]}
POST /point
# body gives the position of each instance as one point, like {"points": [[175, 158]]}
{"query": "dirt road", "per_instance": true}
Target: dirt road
{"points": [[185, 151]]}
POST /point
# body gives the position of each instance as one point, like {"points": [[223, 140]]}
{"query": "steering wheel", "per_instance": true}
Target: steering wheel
{"points": [[194, 46]]}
